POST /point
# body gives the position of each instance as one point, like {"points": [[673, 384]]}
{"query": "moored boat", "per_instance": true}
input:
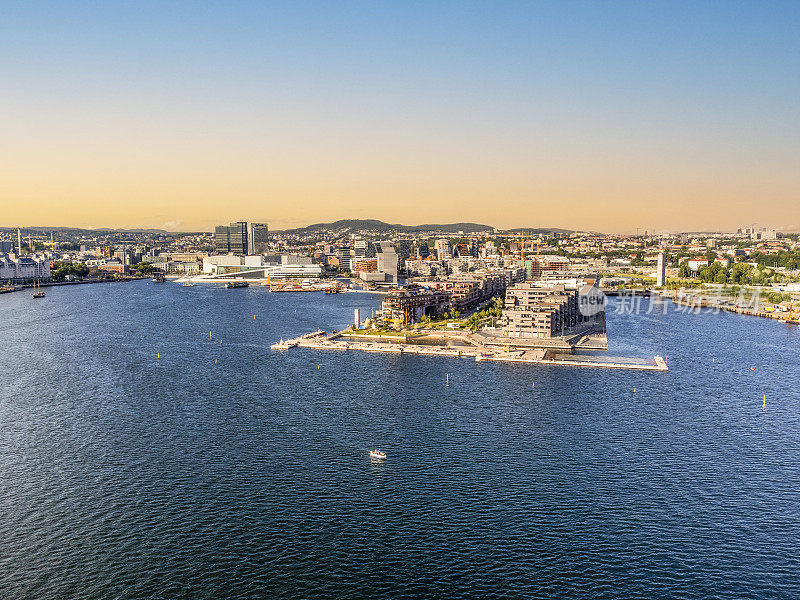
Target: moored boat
{"points": [[37, 291]]}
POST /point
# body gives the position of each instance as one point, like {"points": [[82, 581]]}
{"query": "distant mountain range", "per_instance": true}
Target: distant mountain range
{"points": [[343, 226], [372, 225], [82, 229], [85, 231], [538, 230]]}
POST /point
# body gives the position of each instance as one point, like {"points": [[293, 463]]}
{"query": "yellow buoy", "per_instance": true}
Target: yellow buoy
{"points": [[533, 385], [210, 336], [447, 380], [254, 317], [215, 361], [634, 390], [764, 401], [158, 354]]}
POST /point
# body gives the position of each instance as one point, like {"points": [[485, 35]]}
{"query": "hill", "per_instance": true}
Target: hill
{"points": [[537, 230], [344, 226]]}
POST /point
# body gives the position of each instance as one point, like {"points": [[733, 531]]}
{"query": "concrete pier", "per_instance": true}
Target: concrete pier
{"points": [[319, 340]]}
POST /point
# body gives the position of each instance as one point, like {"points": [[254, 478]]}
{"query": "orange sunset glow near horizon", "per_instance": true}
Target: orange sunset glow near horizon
{"points": [[609, 117]]}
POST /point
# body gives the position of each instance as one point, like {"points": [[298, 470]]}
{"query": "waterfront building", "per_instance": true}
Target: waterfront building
{"points": [[214, 265], [231, 239], [21, 268], [257, 267], [294, 271], [467, 290], [464, 291], [410, 304], [182, 268], [257, 238], [113, 266], [366, 265], [536, 310], [8, 269], [661, 270]]}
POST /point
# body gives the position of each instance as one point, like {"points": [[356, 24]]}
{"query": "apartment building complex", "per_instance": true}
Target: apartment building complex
{"points": [[13, 267], [536, 310], [412, 303]]}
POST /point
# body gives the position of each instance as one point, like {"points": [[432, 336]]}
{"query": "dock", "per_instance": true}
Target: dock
{"points": [[320, 340]]}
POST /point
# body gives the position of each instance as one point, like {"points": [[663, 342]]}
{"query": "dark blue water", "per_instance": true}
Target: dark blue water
{"points": [[224, 470]]}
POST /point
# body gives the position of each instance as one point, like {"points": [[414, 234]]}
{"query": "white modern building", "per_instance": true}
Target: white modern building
{"points": [[257, 267]]}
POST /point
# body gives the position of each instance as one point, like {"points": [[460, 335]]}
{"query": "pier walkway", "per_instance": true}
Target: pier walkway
{"points": [[319, 340]]}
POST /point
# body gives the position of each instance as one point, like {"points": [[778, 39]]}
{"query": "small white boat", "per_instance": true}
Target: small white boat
{"points": [[377, 454]]}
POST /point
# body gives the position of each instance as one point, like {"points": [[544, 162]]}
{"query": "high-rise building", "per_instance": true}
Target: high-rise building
{"points": [[231, 239], [257, 238], [360, 247], [442, 247], [661, 270], [123, 256], [404, 251], [387, 260]]}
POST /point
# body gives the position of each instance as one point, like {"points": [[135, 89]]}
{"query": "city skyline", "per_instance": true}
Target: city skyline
{"points": [[10, 229], [612, 117]]}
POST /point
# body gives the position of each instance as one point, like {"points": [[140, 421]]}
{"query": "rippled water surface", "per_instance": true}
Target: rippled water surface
{"points": [[223, 470]]}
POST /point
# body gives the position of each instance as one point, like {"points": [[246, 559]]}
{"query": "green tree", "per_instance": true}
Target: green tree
{"points": [[144, 268]]}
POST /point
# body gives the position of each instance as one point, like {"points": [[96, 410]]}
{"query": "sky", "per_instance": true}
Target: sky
{"points": [[608, 116]]}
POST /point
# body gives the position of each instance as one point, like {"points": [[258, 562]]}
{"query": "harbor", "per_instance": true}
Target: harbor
{"points": [[339, 342], [737, 306]]}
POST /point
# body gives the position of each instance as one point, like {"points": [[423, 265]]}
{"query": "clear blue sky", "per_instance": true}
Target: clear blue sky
{"points": [[479, 105]]}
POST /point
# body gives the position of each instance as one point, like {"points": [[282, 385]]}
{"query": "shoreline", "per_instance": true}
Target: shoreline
{"points": [[18, 287]]}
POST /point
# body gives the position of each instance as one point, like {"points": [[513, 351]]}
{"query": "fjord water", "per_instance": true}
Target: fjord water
{"points": [[223, 470]]}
